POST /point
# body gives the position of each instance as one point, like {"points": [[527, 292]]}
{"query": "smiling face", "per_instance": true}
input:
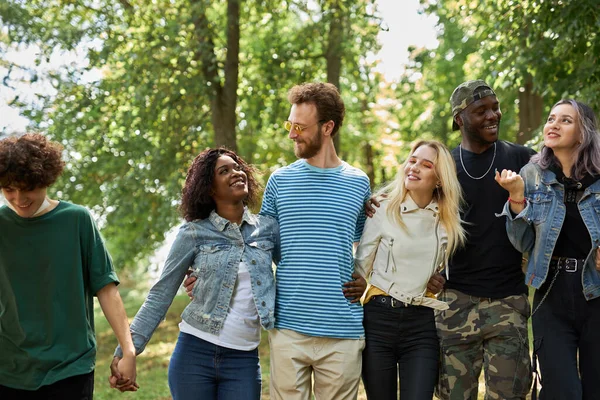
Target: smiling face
{"points": [[561, 132], [419, 171], [480, 121], [230, 183], [24, 202], [309, 142]]}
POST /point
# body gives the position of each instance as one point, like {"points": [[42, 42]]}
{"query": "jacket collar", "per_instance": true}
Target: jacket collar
{"points": [[549, 177], [409, 205], [221, 223]]}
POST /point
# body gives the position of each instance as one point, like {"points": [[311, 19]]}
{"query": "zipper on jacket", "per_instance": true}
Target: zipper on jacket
{"points": [[391, 257], [437, 243]]}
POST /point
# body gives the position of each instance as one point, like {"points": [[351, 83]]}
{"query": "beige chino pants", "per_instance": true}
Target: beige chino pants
{"points": [[297, 359]]}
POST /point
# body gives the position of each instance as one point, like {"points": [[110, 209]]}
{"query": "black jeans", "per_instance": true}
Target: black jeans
{"points": [[565, 326], [400, 342], [78, 387]]}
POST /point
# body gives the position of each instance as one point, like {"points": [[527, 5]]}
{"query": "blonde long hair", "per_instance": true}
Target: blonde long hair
{"points": [[448, 195]]}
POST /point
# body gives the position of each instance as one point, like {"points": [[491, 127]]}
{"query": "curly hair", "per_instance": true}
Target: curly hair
{"points": [[325, 97], [196, 200], [30, 161]]}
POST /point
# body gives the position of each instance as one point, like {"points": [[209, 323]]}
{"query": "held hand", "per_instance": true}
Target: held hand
{"points": [[115, 376], [127, 368], [512, 183], [370, 205], [436, 283], [124, 382], [354, 289], [189, 283]]}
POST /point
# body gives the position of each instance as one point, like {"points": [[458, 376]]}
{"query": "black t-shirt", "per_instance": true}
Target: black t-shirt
{"points": [[574, 240], [488, 265]]}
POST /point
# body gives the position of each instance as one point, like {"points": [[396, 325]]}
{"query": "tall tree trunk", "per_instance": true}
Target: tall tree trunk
{"points": [[334, 55], [530, 111], [366, 122], [223, 95], [370, 168]]}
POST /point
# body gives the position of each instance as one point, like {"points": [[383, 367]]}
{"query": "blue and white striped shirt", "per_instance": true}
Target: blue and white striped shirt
{"points": [[320, 214]]}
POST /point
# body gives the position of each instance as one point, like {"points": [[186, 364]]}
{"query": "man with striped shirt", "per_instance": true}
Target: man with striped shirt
{"points": [[318, 202]]}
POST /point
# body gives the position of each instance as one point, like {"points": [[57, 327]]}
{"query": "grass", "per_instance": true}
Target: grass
{"points": [[153, 363]]}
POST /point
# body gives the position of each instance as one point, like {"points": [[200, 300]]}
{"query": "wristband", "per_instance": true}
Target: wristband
{"points": [[522, 202]]}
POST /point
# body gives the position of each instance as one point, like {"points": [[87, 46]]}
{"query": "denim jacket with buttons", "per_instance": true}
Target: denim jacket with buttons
{"points": [[213, 248], [535, 230]]}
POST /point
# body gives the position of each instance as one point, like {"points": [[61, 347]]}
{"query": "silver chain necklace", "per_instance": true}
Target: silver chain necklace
{"points": [[465, 169]]}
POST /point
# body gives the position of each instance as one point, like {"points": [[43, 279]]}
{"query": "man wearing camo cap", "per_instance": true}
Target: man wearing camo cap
{"points": [[486, 324]]}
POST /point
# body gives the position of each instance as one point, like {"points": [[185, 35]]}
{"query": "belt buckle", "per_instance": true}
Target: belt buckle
{"points": [[395, 303], [569, 264]]}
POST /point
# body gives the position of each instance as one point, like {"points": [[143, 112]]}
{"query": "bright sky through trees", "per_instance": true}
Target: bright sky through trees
{"points": [[402, 27]]}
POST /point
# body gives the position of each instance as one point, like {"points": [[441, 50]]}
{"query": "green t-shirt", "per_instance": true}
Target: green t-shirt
{"points": [[51, 266]]}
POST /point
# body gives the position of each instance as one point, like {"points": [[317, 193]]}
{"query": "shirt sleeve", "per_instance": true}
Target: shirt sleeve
{"points": [[518, 228], [369, 243], [360, 221], [161, 295], [97, 262], [269, 203]]}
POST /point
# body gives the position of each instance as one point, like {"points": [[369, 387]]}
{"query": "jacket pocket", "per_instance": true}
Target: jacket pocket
{"points": [[540, 203], [261, 252], [519, 303], [208, 259]]}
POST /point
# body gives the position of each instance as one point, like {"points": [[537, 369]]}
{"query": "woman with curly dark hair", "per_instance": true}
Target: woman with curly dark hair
{"points": [[52, 262], [230, 251]]}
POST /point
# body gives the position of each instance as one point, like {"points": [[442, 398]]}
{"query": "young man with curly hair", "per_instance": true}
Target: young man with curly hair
{"points": [[52, 262]]}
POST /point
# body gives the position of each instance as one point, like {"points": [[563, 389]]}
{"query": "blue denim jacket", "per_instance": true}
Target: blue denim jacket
{"points": [[213, 248], [535, 230]]}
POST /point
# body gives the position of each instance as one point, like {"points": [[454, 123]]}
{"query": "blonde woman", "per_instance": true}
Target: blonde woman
{"points": [[405, 243]]}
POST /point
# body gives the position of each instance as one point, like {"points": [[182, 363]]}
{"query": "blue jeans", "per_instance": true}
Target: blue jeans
{"points": [[202, 370], [400, 342]]}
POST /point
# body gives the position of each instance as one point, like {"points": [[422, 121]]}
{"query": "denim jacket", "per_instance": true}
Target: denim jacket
{"points": [[213, 248], [535, 230]]}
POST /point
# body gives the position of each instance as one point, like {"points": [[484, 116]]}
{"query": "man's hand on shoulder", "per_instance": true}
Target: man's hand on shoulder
{"points": [[371, 206]]}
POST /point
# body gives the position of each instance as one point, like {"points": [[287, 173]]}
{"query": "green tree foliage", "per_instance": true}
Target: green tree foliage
{"points": [[530, 51], [177, 76]]}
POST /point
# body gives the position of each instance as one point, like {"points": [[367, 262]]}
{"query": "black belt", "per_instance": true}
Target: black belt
{"points": [[566, 264], [388, 301]]}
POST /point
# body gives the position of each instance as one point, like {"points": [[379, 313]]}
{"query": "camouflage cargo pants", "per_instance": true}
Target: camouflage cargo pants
{"points": [[490, 333]]}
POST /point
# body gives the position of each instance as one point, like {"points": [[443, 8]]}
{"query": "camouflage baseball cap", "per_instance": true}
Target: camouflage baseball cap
{"points": [[464, 94]]}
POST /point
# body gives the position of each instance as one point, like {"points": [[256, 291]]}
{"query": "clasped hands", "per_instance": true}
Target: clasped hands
{"points": [[123, 374]]}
